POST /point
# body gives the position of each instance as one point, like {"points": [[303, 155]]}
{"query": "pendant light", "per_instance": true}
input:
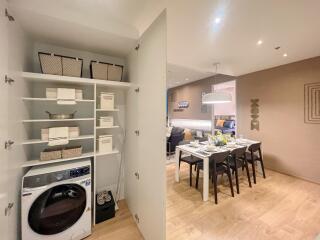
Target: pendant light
{"points": [[216, 97]]}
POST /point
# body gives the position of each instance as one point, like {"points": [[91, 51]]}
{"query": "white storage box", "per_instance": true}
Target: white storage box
{"points": [[52, 93], [73, 133], [105, 143], [106, 121], [107, 101]]}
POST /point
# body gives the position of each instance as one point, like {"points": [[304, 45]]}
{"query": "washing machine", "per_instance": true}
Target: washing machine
{"points": [[56, 201]]}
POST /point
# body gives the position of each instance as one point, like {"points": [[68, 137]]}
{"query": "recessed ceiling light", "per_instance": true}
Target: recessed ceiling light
{"points": [[217, 20], [259, 42], [187, 79], [285, 55]]}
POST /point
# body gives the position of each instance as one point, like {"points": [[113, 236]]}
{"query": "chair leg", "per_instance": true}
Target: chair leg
{"points": [[190, 173], [215, 179], [262, 167], [254, 172], [230, 182], [248, 174], [197, 178], [237, 180]]}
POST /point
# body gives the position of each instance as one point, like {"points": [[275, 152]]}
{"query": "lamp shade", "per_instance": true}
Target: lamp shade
{"points": [[216, 97]]}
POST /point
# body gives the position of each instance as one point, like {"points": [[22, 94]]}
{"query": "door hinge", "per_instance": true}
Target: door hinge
{"points": [[137, 90], [7, 210], [137, 132], [137, 47], [8, 80], [8, 144], [137, 175], [9, 16], [137, 218]]}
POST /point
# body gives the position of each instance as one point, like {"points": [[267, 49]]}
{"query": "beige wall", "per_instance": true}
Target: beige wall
{"points": [[289, 145], [192, 93]]}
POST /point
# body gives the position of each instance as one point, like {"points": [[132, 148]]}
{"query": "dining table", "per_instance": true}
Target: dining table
{"points": [[202, 151]]}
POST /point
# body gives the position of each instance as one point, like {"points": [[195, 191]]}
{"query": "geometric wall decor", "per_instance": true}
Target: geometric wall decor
{"points": [[312, 103], [255, 114]]}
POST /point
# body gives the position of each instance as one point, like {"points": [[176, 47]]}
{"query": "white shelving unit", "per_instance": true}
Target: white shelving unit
{"points": [[39, 141], [37, 162], [54, 100], [98, 127], [57, 120], [107, 110], [73, 82], [40, 77]]}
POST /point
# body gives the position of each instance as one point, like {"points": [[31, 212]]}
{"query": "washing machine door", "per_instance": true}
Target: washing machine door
{"points": [[57, 209]]}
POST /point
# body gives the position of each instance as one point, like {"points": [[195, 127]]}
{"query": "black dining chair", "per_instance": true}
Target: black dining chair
{"points": [[218, 165], [255, 155], [192, 161], [238, 160]]}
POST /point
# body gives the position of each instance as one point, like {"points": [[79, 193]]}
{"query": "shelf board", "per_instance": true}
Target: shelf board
{"points": [[107, 110], [114, 151], [57, 120], [52, 99], [40, 77], [38, 141], [98, 127], [37, 162]]}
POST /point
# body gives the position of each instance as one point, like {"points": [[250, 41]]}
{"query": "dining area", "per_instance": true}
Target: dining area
{"points": [[220, 155]]}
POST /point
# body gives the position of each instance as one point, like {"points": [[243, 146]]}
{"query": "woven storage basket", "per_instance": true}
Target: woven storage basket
{"points": [[60, 65], [115, 72], [70, 152], [99, 70], [71, 67], [50, 154], [50, 63]]}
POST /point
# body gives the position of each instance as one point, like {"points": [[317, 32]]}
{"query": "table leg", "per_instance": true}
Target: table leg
{"points": [[177, 158], [205, 179]]}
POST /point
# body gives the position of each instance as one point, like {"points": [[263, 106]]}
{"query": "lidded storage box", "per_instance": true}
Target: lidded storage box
{"points": [[106, 121], [107, 101], [73, 133], [105, 143], [60, 65], [52, 93]]}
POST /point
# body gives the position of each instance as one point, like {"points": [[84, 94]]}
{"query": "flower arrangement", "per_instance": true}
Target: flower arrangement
{"points": [[219, 139]]}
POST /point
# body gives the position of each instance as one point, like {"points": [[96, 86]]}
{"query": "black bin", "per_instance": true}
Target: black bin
{"points": [[105, 211]]}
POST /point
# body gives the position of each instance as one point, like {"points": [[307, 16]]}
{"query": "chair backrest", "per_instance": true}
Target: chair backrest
{"points": [[238, 152], [254, 147], [220, 157]]}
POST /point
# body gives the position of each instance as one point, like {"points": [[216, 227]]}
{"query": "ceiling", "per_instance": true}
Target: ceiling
{"points": [[196, 40], [111, 26], [199, 33]]}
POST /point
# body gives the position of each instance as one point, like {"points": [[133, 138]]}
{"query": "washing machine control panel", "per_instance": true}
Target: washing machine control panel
{"points": [[48, 178], [78, 172]]}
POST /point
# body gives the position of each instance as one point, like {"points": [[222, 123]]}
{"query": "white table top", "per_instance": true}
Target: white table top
{"points": [[202, 152]]}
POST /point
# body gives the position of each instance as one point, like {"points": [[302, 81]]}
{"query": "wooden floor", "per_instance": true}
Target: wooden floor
{"points": [[277, 208], [122, 227]]}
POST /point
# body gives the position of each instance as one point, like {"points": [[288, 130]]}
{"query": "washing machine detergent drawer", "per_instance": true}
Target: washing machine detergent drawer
{"points": [[60, 210]]}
